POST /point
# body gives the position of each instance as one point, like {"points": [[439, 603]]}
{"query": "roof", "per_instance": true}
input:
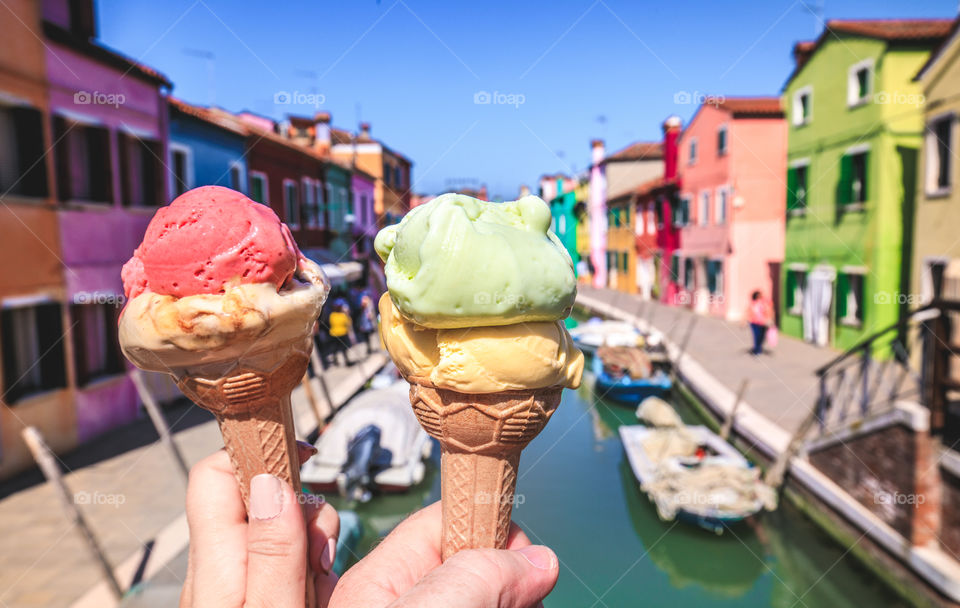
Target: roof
{"points": [[891, 30], [742, 107], [640, 150], [939, 50], [340, 136], [99, 52], [215, 116]]}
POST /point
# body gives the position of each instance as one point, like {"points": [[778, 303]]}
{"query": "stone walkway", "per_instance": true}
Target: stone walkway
{"points": [[783, 383], [130, 490]]}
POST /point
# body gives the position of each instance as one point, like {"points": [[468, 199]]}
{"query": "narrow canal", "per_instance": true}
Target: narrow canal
{"points": [[577, 494]]}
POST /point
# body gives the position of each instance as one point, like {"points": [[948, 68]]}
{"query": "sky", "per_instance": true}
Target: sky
{"points": [[494, 92]]}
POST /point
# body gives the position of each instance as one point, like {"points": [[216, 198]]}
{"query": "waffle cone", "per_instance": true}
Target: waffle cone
{"points": [[481, 437]]}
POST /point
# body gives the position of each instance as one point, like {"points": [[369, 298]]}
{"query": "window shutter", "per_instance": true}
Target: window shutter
{"points": [[28, 124], [843, 288], [791, 286], [62, 157], [50, 332], [866, 173], [845, 186], [791, 189], [101, 182]]}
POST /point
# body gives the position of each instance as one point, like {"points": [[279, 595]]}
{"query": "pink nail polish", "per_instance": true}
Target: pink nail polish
{"points": [[328, 555], [539, 557], [266, 497]]}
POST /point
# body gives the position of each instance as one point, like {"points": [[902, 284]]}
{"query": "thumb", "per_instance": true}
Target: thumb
{"points": [[276, 545], [487, 577]]}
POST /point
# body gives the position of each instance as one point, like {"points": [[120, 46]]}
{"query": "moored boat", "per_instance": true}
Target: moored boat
{"points": [[616, 382]]}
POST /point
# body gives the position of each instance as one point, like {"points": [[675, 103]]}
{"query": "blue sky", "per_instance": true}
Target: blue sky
{"points": [[565, 72]]}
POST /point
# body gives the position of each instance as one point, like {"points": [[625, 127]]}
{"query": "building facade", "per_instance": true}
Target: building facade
{"points": [[936, 249], [207, 148], [34, 310], [671, 214], [855, 129], [733, 155], [110, 128]]}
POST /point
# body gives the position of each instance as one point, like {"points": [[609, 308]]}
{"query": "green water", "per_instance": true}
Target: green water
{"points": [[576, 493]]}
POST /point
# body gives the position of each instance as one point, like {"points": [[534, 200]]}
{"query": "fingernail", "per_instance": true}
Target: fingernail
{"points": [[266, 497], [303, 445], [539, 557], [328, 555]]}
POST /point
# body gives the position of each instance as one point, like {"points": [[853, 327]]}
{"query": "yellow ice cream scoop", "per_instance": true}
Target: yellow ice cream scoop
{"points": [[482, 359]]}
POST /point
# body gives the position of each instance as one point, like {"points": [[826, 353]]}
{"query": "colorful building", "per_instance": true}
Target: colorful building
{"points": [[646, 253], [671, 214], [562, 192], [733, 159], [37, 385], [109, 117], [936, 248], [597, 215], [391, 170], [855, 130], [207, 148]]}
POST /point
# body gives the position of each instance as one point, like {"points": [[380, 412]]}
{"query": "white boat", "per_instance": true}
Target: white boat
{"points": [[690, 473], [595, 333], [373, 443]]}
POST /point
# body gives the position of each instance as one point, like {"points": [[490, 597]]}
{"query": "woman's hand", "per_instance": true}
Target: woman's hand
{"points": [[236, 563], [405, 571]]}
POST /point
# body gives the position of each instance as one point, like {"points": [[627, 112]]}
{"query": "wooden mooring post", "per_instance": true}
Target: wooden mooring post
{"points": [[728, 423], [159, 423]]}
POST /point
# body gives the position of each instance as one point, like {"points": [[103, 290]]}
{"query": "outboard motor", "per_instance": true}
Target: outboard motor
{"points": [[355, 477]]}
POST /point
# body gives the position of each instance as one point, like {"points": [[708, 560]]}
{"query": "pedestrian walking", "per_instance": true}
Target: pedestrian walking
{"points": [[366, 321], [760, 316], [341, 332]]}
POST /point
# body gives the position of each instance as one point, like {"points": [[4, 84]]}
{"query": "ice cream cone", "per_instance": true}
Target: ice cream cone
{"points": [[481, 437], [255, 417]]}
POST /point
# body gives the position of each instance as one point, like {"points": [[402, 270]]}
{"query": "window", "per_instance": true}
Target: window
{"points": [[96, 348], [797, 189], [638, 222], [624, 261], [681, 212], [802, 106], [689, 274], [258, 187], [181, 179], [397, 177], [652, 220], [387, 173], [562, 225], [22, 169], [291, 204], [715, 276], [674, 268], [237, 174], [722, 141], [33, 359], [859, 82], [939, 152], [852, 190], [318, 191], [82, 156], [693, 151], [309, 210], [703, 214], [658, 212], [796, 283], [850, 298], [140, 171], [931, 286], [720, 213]]}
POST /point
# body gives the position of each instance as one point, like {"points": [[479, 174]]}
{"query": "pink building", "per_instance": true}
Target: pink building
{"points": [[733, 162], [109, 127]]}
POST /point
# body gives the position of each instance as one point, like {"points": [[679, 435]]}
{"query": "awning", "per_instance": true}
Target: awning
{"points": [[336, 271]]}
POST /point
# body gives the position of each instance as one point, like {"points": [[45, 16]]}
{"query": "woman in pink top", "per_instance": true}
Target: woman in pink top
{"points": [[758, 315]]}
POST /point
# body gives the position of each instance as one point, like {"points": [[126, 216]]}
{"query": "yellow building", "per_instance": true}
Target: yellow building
{"points": [[392, 171], [936, 257], [621, 252]]}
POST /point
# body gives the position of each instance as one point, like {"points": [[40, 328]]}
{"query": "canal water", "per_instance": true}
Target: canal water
{"points": [[576, 494]]}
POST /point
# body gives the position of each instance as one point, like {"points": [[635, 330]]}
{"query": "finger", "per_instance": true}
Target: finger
{"points": [[403, 558], [487, 577], [305, 451], [323, 532], [218, 536], [276, 545]]}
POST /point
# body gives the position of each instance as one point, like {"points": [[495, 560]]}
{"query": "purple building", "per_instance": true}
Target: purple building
{"points": [[109, 119]]}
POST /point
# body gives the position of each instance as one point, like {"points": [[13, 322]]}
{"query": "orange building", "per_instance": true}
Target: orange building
{"points": [[391, 170], [33, 309]]}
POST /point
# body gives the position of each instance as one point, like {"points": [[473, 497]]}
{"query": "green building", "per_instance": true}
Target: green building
{"points": [[563, 209], [339, 208], [855, 120]]}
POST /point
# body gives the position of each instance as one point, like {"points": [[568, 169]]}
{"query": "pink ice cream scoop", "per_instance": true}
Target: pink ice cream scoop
{"points": [[208, 239]]}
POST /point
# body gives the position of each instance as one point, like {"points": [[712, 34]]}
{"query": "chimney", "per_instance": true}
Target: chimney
{"points": [[482, 193], [596, 146], [321, 137], [524, 190], [365, 131], [671, 133]]}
